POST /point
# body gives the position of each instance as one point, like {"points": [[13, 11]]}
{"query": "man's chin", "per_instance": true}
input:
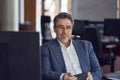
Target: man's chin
{"points": [[64, 41]]}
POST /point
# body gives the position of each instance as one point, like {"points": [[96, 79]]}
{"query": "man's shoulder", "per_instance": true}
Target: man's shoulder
{"points": [[82, 43], [49, 43]]}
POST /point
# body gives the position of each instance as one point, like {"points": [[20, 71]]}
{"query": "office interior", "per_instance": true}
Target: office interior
{"points": [[100, 16]]}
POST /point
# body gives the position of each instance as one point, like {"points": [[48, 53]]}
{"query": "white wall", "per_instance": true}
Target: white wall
{"points": [[9, 15], [2, 13], [94, 9]]}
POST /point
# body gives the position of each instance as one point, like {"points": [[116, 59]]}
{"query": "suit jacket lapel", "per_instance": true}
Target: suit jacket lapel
{"points": [[81, 55], [58, 55]]}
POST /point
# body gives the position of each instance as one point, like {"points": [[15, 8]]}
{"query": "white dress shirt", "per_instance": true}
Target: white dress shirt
{"points": [[71, 59]]}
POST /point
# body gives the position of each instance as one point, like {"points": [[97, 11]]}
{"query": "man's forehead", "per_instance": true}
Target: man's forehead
{"points": [[65, 20]]}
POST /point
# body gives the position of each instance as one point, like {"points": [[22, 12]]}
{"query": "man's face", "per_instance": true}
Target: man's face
{"points": [[63, 30]]}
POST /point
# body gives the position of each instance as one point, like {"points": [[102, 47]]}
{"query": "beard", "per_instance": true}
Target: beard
{"points": [[64, 41]]}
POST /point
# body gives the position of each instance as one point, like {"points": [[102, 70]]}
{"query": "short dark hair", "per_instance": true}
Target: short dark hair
{"points": [[63, 15]]}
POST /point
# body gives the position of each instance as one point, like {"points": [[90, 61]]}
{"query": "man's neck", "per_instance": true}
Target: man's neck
{"points": [[67, 44]]}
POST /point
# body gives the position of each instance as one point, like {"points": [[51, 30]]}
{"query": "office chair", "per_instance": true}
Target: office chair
{"points": [[92, 35], [78, 29], [45, 29]]}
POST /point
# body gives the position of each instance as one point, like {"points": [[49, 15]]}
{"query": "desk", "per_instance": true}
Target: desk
{"points": [[113, 76], [115, 50]]}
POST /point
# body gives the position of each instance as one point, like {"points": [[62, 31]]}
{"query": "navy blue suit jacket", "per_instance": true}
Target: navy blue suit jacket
{"points": [[53, 64]]}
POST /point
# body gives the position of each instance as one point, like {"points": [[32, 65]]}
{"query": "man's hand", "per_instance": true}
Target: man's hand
{"points": [[69, 76], [89, 76]]}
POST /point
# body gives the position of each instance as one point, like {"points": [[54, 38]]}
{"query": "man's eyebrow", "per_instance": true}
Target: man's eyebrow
{"points": [[60, 25]]}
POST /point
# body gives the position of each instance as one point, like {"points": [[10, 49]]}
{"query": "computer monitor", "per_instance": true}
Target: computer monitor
{"points": [[112, 27], [78, 27], [19, 56]]}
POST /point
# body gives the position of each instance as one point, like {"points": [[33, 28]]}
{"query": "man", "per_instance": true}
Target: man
{"points": [[63, 57]]}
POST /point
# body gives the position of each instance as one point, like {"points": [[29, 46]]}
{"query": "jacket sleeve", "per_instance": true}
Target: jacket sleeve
{"points": [[47, 72], [95, 67]]}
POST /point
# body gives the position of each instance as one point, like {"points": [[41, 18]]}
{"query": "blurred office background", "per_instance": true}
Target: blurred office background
{"points": [[37, 16]]}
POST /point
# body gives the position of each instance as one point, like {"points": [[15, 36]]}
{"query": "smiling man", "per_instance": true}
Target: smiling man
{"points": [[64, 57]]}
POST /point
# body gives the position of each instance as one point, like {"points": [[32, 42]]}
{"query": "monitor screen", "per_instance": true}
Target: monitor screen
{"points": [[19, 56], [78, 27], [112, 27]]}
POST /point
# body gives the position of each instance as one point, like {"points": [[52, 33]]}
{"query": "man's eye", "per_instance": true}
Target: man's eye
{"points": [[61, 27], [68, 27]]}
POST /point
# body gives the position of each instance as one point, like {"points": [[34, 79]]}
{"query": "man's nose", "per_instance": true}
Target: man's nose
{"points": [[65, 30]]}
